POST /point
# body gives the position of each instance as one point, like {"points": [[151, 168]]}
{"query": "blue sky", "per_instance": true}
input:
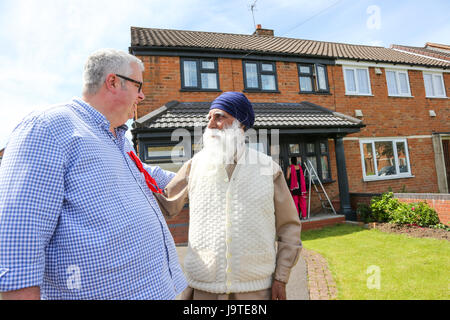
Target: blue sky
{"points": [[43, 44]]}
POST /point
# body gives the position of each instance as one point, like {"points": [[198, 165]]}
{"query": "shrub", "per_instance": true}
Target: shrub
{"points": [[419, 214], [386, 208], [383, 206], [441, 226], [364, 212]]}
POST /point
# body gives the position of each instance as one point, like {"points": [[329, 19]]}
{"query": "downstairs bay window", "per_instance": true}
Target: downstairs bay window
{"points": [[385, 159]]}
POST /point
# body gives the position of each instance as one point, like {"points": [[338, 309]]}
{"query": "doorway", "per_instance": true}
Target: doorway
{"points": [[314, 149], [446, 153]]}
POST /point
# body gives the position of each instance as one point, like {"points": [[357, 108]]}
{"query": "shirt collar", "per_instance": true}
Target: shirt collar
{"points": [[96, 115]]}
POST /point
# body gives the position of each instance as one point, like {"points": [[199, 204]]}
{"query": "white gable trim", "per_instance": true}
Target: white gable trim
{"points": [[389, 66]]}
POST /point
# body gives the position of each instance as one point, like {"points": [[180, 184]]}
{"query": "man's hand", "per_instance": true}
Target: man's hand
{"points": [[31, 293], [278, 290]]}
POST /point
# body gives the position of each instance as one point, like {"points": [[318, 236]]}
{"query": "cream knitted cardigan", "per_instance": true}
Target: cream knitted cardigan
{"points": [[232, 225]]}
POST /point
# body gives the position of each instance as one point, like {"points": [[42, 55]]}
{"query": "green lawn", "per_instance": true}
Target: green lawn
{"points": [[409, 268]]}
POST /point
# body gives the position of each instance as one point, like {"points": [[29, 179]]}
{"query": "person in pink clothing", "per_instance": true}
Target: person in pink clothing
{"points": [[296, 182]]}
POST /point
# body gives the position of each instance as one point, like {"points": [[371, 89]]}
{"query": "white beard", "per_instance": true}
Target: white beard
{"points": [[222, 146]]}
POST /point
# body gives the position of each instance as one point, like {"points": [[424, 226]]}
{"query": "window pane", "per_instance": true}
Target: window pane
{"points": [[362, 80], [305, 69], [209, 81], [385, 158], [323, 148], [294, 148], [391, 83], [437, 85], [314, 163], [252, 75], [310, 148], [305, 84], [208, 64], [266, 67], [190, 73], [165, 151], [403, 83], [268, 82], [325, 169], [428, 85], [321, 78], [350, 80], [401, 155], [368, 159]]}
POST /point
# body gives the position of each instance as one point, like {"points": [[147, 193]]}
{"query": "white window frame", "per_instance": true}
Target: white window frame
{"points": [[434, 74], [356, 93], [397, 79], [376, 177]]}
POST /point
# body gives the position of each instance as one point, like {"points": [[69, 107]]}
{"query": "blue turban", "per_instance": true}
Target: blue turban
{"points": [[236, 104]]}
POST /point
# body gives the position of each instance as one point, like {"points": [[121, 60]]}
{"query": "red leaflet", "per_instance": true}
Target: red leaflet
{"points": [[151, 183]]}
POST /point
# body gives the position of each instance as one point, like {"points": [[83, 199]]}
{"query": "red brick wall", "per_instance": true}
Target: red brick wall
{"points": [[179, 226], [439, 202], [384, 116]]}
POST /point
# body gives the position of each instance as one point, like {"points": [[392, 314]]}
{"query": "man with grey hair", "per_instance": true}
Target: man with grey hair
{"points": [[78, 217]]}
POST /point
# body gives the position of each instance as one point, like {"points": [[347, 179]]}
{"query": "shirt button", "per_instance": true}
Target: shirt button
{"points": [[228, 270], [228, 255]]}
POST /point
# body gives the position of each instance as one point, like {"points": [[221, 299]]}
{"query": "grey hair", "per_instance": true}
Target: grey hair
{"points": [[103, 62]]}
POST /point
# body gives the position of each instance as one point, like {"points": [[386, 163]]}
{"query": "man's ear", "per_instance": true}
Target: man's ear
{"points": [[111, 82]]}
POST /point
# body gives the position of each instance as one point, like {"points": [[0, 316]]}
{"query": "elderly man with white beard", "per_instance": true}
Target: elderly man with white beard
{"points": [[244, 229]]}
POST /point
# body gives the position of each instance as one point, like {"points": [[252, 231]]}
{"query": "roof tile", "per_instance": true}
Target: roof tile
{"points": [[150, 37]]}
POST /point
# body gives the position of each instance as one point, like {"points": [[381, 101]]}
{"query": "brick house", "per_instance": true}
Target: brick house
{"points": [[387, 108]]}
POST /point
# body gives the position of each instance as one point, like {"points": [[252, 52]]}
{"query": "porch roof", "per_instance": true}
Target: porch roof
{"points": [[303, 115]]}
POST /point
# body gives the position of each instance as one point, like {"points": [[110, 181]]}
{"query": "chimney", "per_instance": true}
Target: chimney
{"points": [[262, 32]]}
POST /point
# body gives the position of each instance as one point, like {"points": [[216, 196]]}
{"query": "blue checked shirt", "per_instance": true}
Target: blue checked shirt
{"points": [[76, 216]]}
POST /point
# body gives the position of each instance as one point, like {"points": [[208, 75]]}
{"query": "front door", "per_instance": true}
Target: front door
{"points": [[446, 152], [309, 148]]}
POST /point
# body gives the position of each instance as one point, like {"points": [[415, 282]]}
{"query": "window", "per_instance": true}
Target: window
{"points": [[313, 78], [199, 74], [314, 151], [434, 85], [397, 83], [317, 154], [260, 76], [167, 155], [357, 81], [385, 159]]}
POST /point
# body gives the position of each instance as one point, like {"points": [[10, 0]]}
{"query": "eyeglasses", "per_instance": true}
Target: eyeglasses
{"points": [[131, 80]]}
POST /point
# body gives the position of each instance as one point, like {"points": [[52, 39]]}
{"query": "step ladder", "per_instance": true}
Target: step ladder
{"points": [[325, 202]]}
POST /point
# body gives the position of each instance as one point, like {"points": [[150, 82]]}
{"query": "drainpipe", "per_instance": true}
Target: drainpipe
{"points": [[344, 195]]}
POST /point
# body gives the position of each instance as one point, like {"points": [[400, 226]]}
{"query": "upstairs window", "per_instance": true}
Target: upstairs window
{"points": [[199, 74], [313, 78], [260, 76], [397, 83], [434, 85], [357, 81]]}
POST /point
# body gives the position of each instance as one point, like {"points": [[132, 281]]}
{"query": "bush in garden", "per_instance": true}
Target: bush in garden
{"points": [[364, 212], [383, 206], [418, 214], [386, 208]]}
